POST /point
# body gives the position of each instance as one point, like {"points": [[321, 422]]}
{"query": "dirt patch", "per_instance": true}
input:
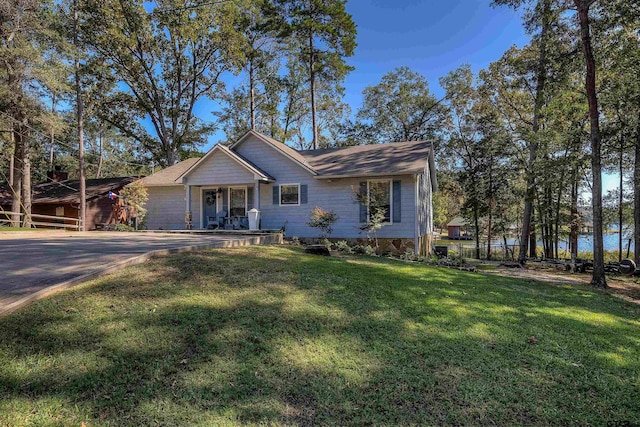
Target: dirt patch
{"points": [[626, 288]]}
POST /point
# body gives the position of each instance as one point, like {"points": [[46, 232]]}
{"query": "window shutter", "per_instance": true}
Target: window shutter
{"points": [[397, 200], [276, 195], [225, 200], [249, 198], [303, 194], [363, 206]]}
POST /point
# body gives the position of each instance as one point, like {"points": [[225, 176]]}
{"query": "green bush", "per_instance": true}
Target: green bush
{"points": [[342, 246], [409, 255], [368, 250], [123, 227]]}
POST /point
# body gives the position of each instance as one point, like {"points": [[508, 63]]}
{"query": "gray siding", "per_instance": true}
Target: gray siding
{"points": [[335, 195], [166, 207], [425, 203], [220, 169]]}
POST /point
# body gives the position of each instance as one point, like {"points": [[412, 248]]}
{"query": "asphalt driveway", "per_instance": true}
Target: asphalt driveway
{"points": [[34, 261]]}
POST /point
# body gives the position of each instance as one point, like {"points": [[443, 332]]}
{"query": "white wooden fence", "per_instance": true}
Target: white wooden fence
{"points": [[6, 218]]}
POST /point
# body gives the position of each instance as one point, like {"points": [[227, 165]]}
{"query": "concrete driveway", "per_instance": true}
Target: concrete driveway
{"points": [[33, 262]]}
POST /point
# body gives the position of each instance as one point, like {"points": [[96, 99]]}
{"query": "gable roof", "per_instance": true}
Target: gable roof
{"points": [[168, 176], [235, 156], [284, 149], [394, 158], [64, 192], [458, 222]]}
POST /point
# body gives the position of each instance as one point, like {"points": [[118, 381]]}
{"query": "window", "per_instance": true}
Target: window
{"points": [[379, 195], [238, 202], [290, 194]]}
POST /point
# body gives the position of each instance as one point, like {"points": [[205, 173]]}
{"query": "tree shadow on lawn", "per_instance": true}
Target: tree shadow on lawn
{"points": [[271, 335]]}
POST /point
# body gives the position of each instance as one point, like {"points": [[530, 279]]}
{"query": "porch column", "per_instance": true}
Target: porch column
{"points": [[188, 225], [256, 194]]}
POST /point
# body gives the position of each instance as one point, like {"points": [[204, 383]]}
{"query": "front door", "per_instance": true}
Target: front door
{"points": [[209, 208]]}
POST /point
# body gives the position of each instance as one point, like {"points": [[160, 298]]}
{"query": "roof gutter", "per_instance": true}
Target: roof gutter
{"points": [[364, 175]]}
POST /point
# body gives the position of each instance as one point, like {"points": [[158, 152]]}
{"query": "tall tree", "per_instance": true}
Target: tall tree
{"points": [[79, 114], [542, 18], [401, 107], [167, 58], [327, 35], [598, 278], [24, 47]]}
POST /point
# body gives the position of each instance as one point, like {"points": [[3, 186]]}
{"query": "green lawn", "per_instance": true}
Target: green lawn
{"points": [[269, 335]]}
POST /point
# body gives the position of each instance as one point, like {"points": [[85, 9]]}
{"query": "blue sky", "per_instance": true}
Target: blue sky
{"points": [[431, 37]]}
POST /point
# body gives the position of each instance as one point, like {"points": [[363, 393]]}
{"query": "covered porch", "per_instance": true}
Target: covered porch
{"points": [[226, 187], [221, 207]]}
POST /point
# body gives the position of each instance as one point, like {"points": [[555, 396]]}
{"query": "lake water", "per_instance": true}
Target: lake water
{"points": [[585, 242]]}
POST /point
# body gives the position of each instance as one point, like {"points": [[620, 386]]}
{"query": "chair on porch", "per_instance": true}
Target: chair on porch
{"points": [[243, 223], [220, 218]]}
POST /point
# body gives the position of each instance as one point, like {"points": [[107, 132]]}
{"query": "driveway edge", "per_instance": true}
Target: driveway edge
{"points": [[267, 239]]}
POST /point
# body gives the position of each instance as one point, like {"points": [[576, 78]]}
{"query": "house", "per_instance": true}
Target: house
{"points": [[219, 189], [60, 197], [458, 229]]}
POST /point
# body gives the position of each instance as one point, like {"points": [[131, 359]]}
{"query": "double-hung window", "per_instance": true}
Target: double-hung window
{"points": [[290, 194], [379, 195]]}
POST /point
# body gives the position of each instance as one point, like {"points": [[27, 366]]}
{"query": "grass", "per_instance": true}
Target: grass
{"points": [[269, 335]]}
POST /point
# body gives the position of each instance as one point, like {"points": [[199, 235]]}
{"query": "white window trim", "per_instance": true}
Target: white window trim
{"points": [[390, 181], [280, 194], [246, 204]]}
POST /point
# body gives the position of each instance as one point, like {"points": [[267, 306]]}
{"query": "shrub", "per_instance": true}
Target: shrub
{"points": [[323, 220], [135, 198], [409, 255], [387, 252], [343, 246], [368, 250], [123, 227], [295, 241]]}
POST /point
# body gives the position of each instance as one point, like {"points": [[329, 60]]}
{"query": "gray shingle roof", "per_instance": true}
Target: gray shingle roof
{"points": [[370, 160], [396, 158], [169, 175]]}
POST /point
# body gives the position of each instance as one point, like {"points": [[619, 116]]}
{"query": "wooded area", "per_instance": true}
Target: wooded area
{"points": [[110, 88]]}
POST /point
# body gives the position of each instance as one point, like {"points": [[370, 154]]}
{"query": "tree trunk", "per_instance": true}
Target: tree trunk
{"points": [[100, 156], [252, 96], [312, 84], [533, 240], [620, 200], [16, 182], [490, 210], [52, 132], [636, 196], [477, 227], [22, 138], [598, 278], [79, 113], [573, 236], [533, 145]]}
